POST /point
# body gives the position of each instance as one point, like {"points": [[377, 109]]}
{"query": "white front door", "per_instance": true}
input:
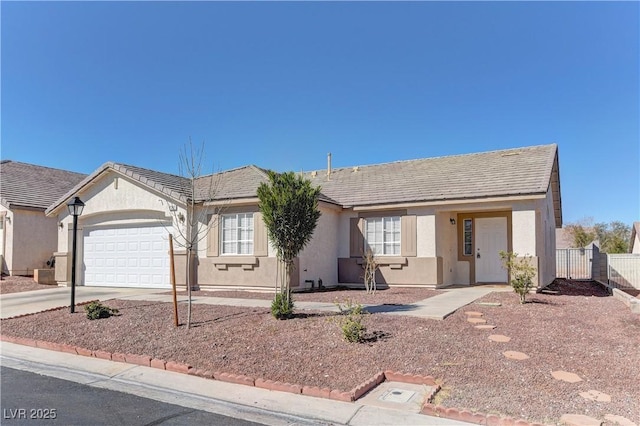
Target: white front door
{"points": [[491, 238], [126, 256]]}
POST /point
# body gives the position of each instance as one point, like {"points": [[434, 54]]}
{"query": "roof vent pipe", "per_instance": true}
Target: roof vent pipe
{"points": [[328, 165]]}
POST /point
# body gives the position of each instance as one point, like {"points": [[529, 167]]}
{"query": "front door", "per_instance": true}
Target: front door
{"points": [[491, 238]]}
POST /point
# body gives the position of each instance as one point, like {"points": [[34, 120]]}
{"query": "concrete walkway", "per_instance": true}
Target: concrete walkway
{"points": [[438, 307]]}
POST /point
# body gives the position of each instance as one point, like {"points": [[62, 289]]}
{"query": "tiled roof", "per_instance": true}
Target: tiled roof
{"points": [[237, 183], [172, 185], [232, 184], [32, 186], [522, 171], [488, 174]]}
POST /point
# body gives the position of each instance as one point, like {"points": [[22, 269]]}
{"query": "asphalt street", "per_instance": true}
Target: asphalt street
{"points": [[28, 398]]}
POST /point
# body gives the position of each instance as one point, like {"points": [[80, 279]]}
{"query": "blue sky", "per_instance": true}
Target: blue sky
{"points": [[281, 84]]}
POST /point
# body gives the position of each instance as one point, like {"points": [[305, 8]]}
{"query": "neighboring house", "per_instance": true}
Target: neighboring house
{"points": [[432, 222], [634, 245], [28, 238]]}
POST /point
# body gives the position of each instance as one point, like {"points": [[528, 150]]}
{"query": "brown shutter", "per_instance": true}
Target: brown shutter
{"points": [[356, 238], [260, 238], [213, 239], [408, 238]]}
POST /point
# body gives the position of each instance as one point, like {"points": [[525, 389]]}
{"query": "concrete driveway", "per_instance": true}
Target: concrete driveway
{"points": [[13, 304]]}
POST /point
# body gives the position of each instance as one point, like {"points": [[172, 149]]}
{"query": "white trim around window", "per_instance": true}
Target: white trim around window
{"points": [[236, 237], [382, 235]]}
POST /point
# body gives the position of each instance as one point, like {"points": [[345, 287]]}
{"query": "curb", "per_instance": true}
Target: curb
{"points": [[633, 303]]}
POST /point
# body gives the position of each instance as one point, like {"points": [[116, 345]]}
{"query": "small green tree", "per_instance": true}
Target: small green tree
{"points": [[581, 234], [521, 273], [289, 207], [614, 237]]}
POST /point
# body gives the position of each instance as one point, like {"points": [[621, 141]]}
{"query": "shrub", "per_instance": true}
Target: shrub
{"points": [[351, 321], [520, 271], [282, 306], [96, 310]]}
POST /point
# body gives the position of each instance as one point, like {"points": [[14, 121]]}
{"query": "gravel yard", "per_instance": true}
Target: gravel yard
{"points": [[578, 329]]}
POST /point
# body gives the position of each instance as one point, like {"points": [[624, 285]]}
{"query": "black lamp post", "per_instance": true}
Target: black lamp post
{"points": [[75, 209]]}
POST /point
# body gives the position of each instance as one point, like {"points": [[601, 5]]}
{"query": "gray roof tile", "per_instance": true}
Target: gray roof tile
{"points": [[521, 171], [32, 186], [487, 174]]}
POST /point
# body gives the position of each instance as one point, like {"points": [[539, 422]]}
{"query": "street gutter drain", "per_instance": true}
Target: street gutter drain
{"points": [[397, 395]]}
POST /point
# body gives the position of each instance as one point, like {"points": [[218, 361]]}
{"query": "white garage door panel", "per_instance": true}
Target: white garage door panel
{"points": [[127, 257]]}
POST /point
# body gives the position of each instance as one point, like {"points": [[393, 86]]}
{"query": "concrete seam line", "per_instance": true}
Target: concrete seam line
{"points": [[355, 413]]}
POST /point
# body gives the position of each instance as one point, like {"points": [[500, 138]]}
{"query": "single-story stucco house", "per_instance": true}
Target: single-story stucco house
{"points": [[432, 222], [28, 238]]}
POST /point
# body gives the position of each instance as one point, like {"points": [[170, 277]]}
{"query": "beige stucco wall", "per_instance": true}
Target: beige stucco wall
{"points": [[344, 231], [532, 232], [407, 271], [5, 258], [255, 272], [29, 239], [426, 229], [546, 241], [524, 229], [318, 259], [230, 270], [436, 238], [426, 268]]}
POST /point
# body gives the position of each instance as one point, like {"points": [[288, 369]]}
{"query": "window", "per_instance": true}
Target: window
{"points": [[468, 237], [382, 235], [237, 233]]}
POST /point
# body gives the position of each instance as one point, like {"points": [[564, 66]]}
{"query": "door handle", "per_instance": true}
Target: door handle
{"points": [[478, 255]]}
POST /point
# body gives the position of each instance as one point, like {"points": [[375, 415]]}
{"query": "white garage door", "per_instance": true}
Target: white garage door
{"points": [[127, 257]]}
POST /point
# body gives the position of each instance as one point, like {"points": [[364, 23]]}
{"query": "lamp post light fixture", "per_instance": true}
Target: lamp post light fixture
{"points": [[75, 209]]}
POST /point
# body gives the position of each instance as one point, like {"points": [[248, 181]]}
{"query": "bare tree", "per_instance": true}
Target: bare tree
{"points": [[194, 227], [370, 266]]}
